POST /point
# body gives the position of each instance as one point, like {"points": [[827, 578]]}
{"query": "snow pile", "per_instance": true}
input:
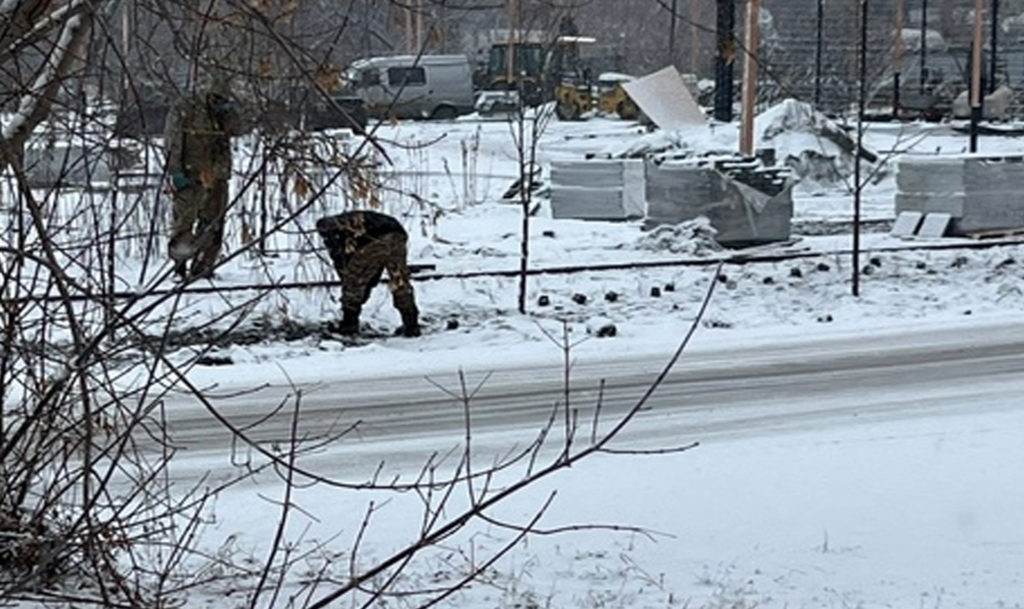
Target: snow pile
{"points": [[694, 238], [936, 42], [678, 143], [820, 152]]}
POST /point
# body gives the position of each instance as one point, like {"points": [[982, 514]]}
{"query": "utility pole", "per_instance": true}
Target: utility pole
{"points": [[979, 28], [752, 44], [725, 25]]}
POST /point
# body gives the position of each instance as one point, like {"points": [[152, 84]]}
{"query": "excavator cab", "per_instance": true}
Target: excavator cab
{"points": [[569, 80], [516, 65]]}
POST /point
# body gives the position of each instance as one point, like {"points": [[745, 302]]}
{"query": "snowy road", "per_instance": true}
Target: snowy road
{"points": [[845, 470], [712, 392]]}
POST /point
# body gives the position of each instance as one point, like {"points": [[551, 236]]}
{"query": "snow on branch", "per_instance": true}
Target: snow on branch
{"points": [[35, 105], [18, 17], [33, 25]]}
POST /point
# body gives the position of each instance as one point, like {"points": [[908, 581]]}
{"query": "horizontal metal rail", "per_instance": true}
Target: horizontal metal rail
{"points": [[736, 259]]}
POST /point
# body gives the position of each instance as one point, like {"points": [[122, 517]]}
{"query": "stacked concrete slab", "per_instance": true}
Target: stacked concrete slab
{"points": [[64, 165], [981, 193], [745, 202], [598, 189]]}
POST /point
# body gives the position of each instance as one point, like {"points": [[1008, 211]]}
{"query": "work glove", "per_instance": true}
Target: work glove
{"points": [[180, 181]]}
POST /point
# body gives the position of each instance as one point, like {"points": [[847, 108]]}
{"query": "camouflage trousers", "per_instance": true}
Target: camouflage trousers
{"points": [[361, 268], [197, 228]]}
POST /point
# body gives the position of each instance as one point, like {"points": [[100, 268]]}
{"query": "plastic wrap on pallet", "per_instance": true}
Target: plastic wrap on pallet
{"points": [[741, 213]]}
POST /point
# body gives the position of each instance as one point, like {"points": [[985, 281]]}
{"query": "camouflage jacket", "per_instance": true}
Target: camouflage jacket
{"points": [[195, 144], [348, 232]]}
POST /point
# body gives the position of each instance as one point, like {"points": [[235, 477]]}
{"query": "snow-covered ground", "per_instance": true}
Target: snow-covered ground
{"points": [[924, 512], [481, 232]]}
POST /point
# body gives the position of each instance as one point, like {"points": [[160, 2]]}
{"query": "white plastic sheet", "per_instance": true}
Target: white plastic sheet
{"points": [[664, 98]]}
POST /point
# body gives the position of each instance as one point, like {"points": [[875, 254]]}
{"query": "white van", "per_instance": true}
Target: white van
{"points": [[410, 86]]}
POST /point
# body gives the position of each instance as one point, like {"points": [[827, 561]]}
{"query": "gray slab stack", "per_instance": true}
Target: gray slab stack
{"points": [[981, 193], [598, 189], [678, 191], [62, 164]]}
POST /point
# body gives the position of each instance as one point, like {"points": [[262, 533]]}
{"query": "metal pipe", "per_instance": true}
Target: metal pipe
{"points": [[924, 43], [694, 36], [993, 46], [726, 51], [858, 185], [979, 28], [753, 37], [672, 34], [512, 44], [818, 51], [897, 60], [419, 275]]}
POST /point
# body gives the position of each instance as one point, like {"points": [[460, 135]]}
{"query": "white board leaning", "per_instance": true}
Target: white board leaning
{"points": [[664, 98]]}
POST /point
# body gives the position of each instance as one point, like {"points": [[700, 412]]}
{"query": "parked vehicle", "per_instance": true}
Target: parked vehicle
{"points": [[297, 107], [539, 69], [316, 113], [409, 86], [612, 97]]}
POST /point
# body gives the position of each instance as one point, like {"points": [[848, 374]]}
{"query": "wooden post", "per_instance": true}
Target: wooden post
{"points": [[752, 43]]}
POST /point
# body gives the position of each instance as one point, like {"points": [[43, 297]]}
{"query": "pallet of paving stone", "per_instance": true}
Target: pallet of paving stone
{"points": [[598, 189], [742, 214]]}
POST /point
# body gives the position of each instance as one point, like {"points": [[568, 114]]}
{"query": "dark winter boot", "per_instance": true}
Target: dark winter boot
{"points": [[349, 322], [180, 270], [410, 324]]}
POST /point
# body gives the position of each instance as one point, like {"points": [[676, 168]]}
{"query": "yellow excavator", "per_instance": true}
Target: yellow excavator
{"points": [[522, 65], [570, 83]]}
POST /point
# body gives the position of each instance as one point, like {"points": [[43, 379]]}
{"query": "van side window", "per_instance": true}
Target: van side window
{"points": [[409, 77], [369, 78]]}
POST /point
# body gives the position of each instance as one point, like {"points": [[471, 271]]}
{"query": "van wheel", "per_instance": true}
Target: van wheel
{"points": [[444, 113]]}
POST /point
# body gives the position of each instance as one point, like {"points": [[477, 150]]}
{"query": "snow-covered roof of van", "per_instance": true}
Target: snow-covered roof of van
{"points": [[407, 60]]}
